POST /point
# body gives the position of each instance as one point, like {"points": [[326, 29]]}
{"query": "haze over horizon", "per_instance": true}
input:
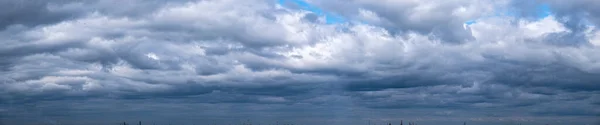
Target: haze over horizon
{"points": [[302, 62]]}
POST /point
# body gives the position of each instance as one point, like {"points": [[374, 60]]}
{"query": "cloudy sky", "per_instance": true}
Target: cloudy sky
{"points": [[334, 62]]}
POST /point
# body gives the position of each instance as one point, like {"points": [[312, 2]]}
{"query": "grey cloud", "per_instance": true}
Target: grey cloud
{"points": [[582, 10], [442, 19], [477, 97], [34, 12], [221, 59]]}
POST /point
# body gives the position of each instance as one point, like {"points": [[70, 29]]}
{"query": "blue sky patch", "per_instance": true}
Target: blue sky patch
{"points": [[543, 11], [329, 17]]}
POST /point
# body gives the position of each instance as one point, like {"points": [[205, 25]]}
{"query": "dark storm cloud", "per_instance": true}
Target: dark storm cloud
{"points": [[234, 58]]}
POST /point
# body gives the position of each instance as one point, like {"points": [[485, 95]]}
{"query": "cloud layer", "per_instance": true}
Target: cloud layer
{"points": [[77, 61]]}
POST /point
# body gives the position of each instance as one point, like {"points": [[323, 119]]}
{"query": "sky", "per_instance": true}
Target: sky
{"points": [[302, 62]]}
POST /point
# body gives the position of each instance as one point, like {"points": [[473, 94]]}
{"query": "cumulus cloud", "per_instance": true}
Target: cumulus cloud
{"points": [[389, 56]]}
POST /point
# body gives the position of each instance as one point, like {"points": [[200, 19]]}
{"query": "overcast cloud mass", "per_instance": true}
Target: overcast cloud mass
{"points": [[308, 62]]}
